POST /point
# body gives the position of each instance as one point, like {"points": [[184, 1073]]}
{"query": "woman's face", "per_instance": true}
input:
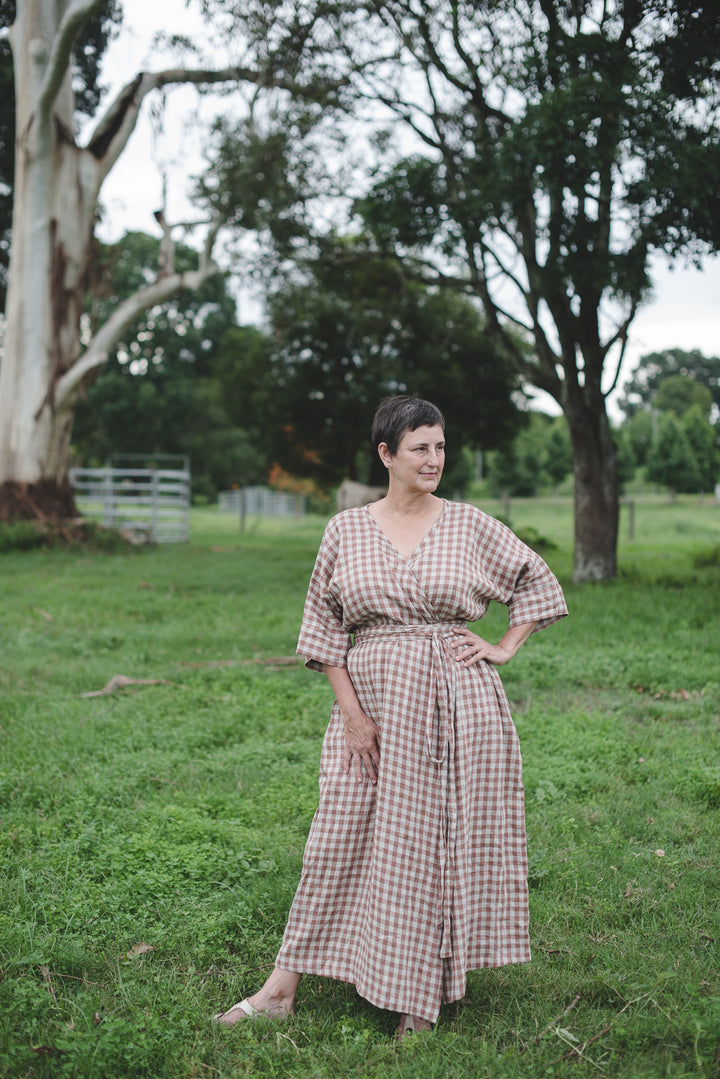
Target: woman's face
{"points": [[418, 464]]}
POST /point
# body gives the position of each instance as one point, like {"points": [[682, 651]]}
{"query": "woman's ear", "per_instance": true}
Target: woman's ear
{"points": [[384, 454]]}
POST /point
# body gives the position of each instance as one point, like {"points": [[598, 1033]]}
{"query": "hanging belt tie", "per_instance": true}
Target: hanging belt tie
{"points": [[439, 741]]}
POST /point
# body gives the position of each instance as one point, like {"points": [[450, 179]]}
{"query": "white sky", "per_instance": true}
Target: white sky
{"points": [[684, 311]]}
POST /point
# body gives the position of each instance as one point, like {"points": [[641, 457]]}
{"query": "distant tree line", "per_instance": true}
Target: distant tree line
{"points": [[670, 435]]}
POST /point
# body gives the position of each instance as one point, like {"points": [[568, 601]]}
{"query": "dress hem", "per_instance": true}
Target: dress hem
{"points": [[342, 974]]}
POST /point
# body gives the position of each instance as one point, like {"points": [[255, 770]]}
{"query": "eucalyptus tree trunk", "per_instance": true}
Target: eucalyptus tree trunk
{"points": [[56, 187]]}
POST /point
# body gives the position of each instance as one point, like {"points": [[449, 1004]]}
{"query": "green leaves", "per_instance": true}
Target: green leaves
{"points": [[407, 207], [359, 329], [161, 392], [670, 460]]}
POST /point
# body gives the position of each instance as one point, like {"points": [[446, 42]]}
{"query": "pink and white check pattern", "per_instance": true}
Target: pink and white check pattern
{"points": [[409, 884]]}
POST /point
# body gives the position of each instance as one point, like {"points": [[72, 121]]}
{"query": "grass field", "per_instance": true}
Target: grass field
{"points": [[173, 815]]}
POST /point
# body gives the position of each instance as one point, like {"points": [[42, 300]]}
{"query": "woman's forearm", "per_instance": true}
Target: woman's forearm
{"points": [[515, 637], [344, 690]]}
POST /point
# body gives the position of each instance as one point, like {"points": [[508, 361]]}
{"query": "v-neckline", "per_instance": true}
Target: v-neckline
{"points": [[420, 542]]}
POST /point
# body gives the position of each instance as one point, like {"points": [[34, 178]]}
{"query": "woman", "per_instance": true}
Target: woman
{"points": [[415, 869]]}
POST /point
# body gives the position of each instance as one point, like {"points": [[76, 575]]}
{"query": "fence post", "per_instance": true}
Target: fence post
{"points": [[154, 508], [108, 501]]}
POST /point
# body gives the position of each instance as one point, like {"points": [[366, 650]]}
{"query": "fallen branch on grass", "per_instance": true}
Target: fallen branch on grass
{"points": [[557, 1018], [119, 681], [576, 1052]]}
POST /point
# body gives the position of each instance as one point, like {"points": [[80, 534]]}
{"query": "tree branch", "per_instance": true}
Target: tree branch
{"points": [[114, 128], [124, 315], [61, 50], [620, 335], [473, 89], [504, 271], [542, 373], [403, 112]]}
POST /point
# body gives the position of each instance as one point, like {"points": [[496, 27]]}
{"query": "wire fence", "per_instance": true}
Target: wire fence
{"points": [[260, 502]]}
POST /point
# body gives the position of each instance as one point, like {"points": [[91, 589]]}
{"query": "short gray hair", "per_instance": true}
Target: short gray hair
{"points": [[396, 415]]}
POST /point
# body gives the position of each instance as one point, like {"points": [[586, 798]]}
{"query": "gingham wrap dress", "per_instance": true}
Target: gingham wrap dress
{"points": [[409, 884]]}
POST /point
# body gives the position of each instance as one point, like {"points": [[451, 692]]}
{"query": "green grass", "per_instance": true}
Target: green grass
{"points": [[174, 815]]}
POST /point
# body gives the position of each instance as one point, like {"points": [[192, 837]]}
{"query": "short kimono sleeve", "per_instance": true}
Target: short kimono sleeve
{"points": [[520, 578], [323, 639]]}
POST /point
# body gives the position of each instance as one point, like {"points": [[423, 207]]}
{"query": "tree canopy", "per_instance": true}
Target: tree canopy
{"points": [[640, 391], [352, 332], [528, 154], [678, 393], [539, 456], [684, 386], [670, 460]]}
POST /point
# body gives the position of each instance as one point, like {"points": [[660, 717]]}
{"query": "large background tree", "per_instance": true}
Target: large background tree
{"points": [[92, 41], [563, 144], [7, 143], [56, 187]]}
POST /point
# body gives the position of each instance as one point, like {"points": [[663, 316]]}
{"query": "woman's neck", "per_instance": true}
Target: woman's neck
{"points": [[402, 504]]}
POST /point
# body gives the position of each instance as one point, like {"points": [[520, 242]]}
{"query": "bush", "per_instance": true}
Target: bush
{"points": [[27, 535], [21, 536]]}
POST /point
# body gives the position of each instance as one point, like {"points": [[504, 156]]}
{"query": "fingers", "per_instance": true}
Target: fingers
{"points": [[469, 648], [474, 649], [366, 763], [365, 769], [362, 746]]}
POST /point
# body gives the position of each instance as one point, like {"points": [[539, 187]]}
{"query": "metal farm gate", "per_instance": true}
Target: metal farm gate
{"points": [[152, 504]]}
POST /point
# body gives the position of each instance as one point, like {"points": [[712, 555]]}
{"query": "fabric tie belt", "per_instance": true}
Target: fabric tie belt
{"points": [[439, 739]]}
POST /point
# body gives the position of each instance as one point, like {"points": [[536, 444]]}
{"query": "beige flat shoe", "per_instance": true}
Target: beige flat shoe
{"points": [[242, 1010], [245, 1010]]}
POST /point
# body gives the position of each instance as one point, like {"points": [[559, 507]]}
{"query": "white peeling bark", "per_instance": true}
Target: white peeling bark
{"points": [[56, 186], [51, 230]]}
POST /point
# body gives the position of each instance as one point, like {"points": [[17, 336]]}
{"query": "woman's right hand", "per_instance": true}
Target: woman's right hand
{"points": [[362, 745], [362, 734]]}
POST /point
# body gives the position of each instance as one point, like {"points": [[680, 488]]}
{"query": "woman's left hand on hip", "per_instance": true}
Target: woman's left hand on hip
{"points": [[470, 648]]}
